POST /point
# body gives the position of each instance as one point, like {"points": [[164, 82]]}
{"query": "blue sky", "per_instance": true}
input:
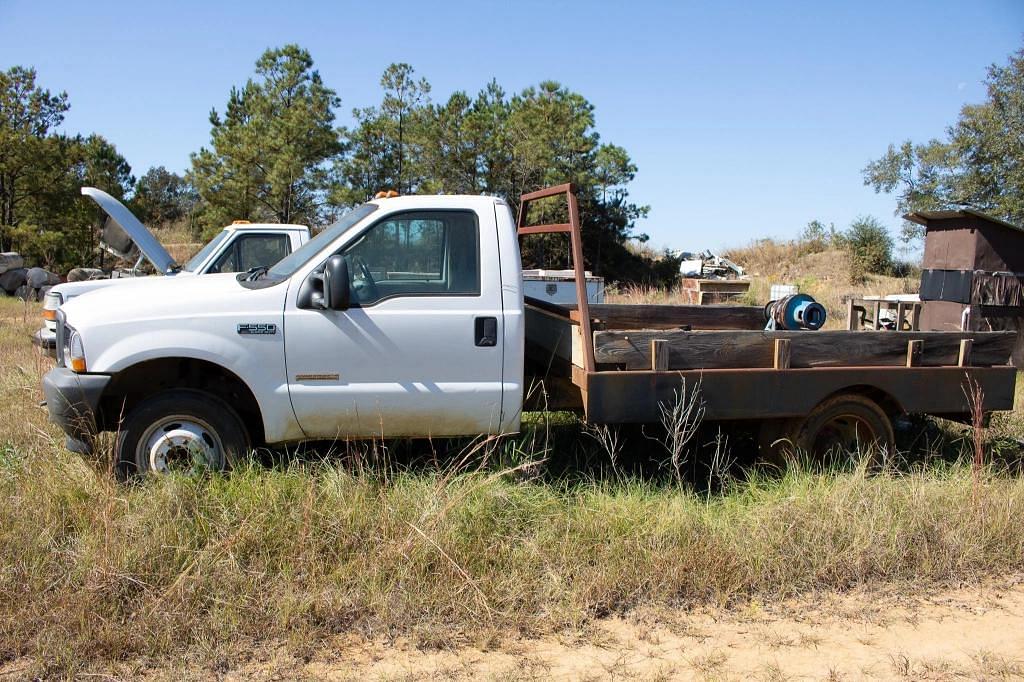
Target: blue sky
{"points": [[745, 119]]}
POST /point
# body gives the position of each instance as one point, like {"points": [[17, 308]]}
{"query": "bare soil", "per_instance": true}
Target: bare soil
{"points": [[972, 633], [957, 633], [960, 633]]}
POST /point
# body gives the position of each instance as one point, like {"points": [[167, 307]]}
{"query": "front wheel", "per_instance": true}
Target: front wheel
{"points": [[181, 431]]}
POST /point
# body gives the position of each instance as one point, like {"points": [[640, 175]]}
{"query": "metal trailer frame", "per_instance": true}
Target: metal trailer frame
{"points": [[748, 393]]}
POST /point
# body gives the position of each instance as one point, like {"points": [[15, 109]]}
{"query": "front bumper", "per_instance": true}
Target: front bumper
{"points": [[73, 401], [46, 340]]}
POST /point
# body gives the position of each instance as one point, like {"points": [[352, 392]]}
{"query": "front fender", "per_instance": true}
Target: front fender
{"points": [[257, 360], [126, 351]]}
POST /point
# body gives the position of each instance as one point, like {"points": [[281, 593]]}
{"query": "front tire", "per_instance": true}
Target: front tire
{"points": [[182, 431]]}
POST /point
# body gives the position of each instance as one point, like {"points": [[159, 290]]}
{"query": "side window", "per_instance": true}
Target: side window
{"points": [[433, 253], [250, 251], [263, 249], [226, 262]]}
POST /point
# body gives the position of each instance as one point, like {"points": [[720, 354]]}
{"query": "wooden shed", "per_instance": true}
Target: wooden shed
{"points": [[972, 274]]}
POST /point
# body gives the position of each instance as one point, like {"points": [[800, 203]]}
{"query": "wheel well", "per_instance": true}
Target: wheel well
{"points": [[134, 384], [884, 400]]}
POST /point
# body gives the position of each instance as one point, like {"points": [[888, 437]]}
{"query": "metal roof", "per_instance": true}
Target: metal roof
{"points": [[924, 217]]}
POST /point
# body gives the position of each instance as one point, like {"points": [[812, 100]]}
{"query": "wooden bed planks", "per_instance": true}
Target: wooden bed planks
{"points": [[629, 316], [738, 349], [552, 338], [643, 316]]}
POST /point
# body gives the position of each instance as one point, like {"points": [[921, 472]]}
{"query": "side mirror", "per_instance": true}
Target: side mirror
{"points": [[337, 291]]}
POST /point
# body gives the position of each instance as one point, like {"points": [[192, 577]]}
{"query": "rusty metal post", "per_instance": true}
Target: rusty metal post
{"points": [[583, 299]]}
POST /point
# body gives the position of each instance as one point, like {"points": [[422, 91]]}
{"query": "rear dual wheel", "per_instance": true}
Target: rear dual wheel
{"points": [[840, 428]]}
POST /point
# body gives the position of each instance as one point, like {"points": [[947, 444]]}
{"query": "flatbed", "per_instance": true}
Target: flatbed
{"points": [[623, 363]]}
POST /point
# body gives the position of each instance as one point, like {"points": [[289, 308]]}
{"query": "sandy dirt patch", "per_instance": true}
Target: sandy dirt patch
{"points": [[960, 633]]}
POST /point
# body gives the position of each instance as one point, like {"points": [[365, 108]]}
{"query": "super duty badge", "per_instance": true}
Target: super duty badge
{"points": [[257, 328]]}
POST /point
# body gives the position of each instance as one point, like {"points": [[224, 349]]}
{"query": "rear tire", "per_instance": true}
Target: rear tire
{"points": [[845, 425], [180, 430], [838, 429]]}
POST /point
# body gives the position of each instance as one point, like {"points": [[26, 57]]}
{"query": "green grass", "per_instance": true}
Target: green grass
{"points": [[93, 572]]}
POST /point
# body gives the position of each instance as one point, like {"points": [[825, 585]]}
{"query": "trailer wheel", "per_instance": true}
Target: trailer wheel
{"points": [[842, 426], [183, 431]]}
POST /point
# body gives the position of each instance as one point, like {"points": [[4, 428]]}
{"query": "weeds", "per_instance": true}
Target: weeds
{"points": [[680, 419], [470, 544], [976, 400], [306, 551], [609, 439], [720, 462]]}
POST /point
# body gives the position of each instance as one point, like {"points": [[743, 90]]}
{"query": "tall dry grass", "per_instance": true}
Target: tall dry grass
{"points": [[98, 572], [180, 239], [210, 568]]}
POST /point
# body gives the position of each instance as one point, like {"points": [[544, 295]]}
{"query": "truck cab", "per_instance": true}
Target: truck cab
{"points": [[239, 247]]}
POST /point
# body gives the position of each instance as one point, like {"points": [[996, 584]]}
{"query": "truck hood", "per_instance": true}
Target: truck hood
{"points": [[69, 290], [123, 233], [149, 298]]}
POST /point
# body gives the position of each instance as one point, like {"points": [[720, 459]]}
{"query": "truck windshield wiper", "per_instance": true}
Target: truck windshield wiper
{"points": [[253, 274]]}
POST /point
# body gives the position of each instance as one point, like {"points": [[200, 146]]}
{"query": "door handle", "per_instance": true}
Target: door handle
{"points": [[485, 331]]}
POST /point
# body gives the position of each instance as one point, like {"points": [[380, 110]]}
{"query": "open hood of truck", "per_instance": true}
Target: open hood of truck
{"points": [[126, 236]]}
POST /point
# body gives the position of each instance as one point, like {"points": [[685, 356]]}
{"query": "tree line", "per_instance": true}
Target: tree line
{"points": [[276, 154], [979, 164]]}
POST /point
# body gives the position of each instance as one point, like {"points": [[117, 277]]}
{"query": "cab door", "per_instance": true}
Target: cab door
{"points": [[419, 352]]}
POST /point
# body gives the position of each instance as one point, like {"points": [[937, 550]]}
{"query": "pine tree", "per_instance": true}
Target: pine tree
{"points": [[271, 152]]}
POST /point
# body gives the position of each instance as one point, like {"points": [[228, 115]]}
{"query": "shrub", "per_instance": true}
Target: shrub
{"points": [[816, 237], [869, 248]]}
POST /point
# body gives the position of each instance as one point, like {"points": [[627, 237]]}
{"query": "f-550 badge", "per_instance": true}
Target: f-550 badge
{"points": [[257, 328]]}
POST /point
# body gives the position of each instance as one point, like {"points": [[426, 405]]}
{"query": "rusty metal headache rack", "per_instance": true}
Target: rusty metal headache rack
{"points": [[576, 244]]}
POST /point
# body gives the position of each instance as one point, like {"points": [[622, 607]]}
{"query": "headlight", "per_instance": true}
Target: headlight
{"points": [[74, 350]]}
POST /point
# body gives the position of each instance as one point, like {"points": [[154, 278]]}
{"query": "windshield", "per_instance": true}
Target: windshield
{"points": [[295, 260], [205, 252]]}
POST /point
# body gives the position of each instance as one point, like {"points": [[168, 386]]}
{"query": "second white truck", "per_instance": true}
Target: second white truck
{"points": [[239, 247]]}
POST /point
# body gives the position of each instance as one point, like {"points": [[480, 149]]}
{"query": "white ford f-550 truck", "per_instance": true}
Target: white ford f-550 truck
{"points": [[239, 247], [406, 318]]}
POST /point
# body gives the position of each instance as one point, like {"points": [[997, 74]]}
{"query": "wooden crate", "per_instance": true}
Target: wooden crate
{"points": [[865, 313], [709, 291]]}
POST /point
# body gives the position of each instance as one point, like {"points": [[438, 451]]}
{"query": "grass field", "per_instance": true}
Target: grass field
{"points": [[374, 544]]}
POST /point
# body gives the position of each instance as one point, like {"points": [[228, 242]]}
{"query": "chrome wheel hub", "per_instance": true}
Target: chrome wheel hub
{"points": [[179, 443]]}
